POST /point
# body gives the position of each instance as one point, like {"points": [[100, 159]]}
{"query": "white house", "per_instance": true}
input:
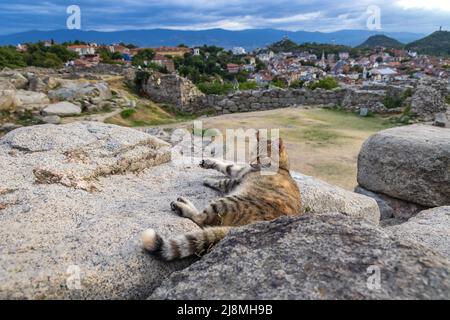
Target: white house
{"points": [[82, 49], [237, 51]]}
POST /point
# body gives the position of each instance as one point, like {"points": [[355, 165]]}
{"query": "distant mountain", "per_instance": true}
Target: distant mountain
{"points": [[437, 44], [249, 39], [381, 40]]}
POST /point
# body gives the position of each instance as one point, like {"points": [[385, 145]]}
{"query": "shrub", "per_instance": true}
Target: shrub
{"points": [[327, 83], [297, 84], [447, 99], [391, 102], [248, 85], [143, 55], [141, 79], [215, 87], [127, 113], [9, 57], [278, 83]]}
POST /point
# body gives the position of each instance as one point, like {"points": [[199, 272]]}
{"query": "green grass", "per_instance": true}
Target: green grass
{"points": [[327, 126], [150, 115], [127, 113], [331, 119]]}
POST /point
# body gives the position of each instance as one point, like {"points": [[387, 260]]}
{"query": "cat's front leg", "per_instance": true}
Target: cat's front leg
{"points": [[230, 169]]}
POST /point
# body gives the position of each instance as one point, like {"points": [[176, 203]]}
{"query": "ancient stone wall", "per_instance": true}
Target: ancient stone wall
{"points": [[172, 89]]}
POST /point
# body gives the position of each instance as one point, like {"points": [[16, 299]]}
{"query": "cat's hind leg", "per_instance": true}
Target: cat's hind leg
{"points": [[186, 209]]}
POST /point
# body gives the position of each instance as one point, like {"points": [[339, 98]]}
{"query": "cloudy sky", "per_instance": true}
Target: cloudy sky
{"points": [[421, 16]]}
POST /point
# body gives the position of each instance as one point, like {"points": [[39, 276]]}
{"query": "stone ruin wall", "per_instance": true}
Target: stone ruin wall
{"points": [[183, 94]]}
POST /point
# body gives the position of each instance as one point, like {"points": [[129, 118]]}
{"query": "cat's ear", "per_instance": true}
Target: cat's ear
{"points": [[280, 144]]}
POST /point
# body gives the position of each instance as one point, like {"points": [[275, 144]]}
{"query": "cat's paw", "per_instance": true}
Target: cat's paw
{"points": [[208, 182], [183, 200], [176, 207], [207, 164]]}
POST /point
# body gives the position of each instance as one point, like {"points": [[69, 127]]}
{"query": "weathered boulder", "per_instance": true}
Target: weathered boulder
{"points": [[312, 257], [51, 119], [391, 208], [319, 196], [411, 163], [30, 100], [36, 84], [440, 120], [426, 102], [16, 79], [73, 90], [58, 240], [63, 109], [8, 100], [430, 228]]}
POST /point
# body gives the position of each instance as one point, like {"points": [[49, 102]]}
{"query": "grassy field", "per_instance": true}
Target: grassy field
{"points": [[321, 142]]}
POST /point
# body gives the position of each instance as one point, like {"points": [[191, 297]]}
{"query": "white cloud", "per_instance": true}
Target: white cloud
{"points": [[296, 18], [424, 4]]}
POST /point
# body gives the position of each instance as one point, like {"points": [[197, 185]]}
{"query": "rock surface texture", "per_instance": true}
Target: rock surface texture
{"points": [[427, 102], [430, 228], [59, 241], [410, 163], [319, 197], [312, 257]]}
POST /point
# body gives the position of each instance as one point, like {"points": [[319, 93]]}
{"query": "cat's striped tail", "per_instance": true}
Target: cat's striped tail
{"points": [[182, 246]]}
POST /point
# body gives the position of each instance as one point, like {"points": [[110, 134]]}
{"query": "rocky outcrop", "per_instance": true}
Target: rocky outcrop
{"points": [[427, 102], [312, 257], [319, 197], [430, 228], [410, 163]]}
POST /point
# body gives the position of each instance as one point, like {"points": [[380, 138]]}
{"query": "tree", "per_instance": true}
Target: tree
{"points": [[142, 56], [9, 57]]}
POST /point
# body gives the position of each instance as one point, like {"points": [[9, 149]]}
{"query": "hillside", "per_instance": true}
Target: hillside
{"points": [[287, 45], [381, 41], [438, 44], [249, 39]]}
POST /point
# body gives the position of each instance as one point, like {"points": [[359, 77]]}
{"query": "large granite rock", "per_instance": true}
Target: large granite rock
{"points": [[410, 163], [58, 240], [312, 257], [63, 109], [319, 197], [430, 228]]}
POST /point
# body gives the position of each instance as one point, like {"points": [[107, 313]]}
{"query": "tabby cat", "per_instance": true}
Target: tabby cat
{"points": [[251, 197]]}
